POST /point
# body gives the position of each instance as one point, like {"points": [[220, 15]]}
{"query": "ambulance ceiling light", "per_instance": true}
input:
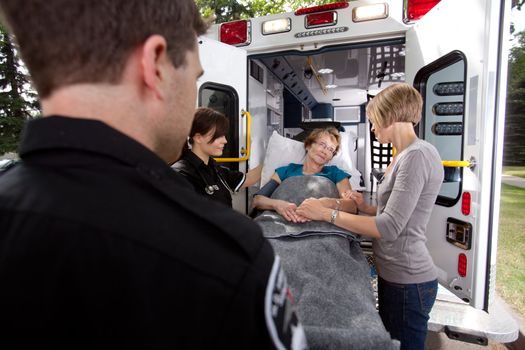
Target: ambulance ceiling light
{"points": [[321, 8], [237, 33], [275, 26], [325, 71], [331, 86], [415, 9], [369, 12], [397, 75]]}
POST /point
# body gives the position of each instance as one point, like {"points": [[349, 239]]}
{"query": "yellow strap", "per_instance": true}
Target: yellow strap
{"points": [[248, 142]]}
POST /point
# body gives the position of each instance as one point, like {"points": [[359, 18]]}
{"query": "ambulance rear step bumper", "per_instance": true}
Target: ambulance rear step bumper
{"points": [[462, 322]]}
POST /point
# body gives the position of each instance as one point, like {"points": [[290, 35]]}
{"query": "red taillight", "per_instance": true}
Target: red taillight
{"points": [[321, 19], [462, 265], [465, 203], [321, 8], [236, 33], [415, 9]]}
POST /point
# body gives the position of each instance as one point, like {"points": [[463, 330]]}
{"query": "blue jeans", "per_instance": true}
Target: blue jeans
{"points": [[404, 310]]}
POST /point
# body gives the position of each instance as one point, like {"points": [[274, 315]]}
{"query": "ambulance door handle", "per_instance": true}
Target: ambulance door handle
{"points": [[245, 152]]}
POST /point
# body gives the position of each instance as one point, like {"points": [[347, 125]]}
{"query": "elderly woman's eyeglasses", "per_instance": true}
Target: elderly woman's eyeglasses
{"points": [[325, 147]]}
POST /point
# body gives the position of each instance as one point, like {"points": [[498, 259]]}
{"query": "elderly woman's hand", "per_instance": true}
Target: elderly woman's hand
{"points": [[312, 209], [357, 197], [288, 211], [328, 202]]}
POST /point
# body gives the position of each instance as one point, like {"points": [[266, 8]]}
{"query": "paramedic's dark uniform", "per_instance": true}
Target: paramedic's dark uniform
{"points": [[211, 180], [103, 246]]}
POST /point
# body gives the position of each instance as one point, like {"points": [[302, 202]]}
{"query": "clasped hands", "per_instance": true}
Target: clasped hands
{"points": [[312, 208]]}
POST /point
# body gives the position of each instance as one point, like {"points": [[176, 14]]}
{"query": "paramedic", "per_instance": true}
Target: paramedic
{"points": [[207, 139], [405, 198], [321, 146], [101, 243]]}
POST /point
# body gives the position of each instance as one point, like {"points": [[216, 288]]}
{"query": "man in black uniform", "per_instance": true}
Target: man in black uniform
{"points": [[102, 245]]}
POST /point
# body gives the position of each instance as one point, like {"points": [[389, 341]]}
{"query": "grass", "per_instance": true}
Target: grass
{"points": [[514, 171], [510, 277]]}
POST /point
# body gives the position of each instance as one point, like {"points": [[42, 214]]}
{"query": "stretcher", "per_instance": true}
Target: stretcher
{"points": [[327, 272]]}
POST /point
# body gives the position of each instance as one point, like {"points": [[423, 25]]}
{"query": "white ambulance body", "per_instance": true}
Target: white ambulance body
{"points": [[322, 63]]}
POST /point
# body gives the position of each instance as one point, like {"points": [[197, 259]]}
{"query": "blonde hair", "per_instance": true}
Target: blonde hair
{"points": [[316, 133], [396, 103]]}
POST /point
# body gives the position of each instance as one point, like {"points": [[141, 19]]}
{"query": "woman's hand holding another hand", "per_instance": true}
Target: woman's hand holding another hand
{"points": [[312, 209]]}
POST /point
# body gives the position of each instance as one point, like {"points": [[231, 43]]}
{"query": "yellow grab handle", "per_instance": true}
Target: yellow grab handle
{"points": [[456, 163], [248, 142]]}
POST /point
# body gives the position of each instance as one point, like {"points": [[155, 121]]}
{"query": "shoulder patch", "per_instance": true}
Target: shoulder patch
{"points": [[283, 325], [7, 164]]}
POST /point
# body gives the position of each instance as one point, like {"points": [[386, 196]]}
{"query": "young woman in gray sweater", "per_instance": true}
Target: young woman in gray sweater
{"points": [[407, 285]]}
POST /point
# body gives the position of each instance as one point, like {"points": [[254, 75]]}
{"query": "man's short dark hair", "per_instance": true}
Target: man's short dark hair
{"points": [[66, 42]]}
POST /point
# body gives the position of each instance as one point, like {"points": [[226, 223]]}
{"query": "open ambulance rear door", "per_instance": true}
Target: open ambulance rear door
{"points": [[223, 87], [456, 55]]}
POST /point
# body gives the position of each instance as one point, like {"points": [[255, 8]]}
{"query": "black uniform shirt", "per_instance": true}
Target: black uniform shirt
{"points": [[211, 180], [103, 246]]}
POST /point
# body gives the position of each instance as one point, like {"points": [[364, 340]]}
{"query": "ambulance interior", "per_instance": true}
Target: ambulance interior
{"points": [[292, 92]]}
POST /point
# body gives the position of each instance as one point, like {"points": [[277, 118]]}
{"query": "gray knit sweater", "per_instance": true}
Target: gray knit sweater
{"points": [[405, 200]]}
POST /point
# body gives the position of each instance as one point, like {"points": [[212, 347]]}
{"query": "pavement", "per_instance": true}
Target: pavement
{"points": [[513, 180]]}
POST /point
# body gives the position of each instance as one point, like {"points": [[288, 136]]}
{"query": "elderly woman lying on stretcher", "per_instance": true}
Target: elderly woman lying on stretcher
{"points": [[321, 146]]}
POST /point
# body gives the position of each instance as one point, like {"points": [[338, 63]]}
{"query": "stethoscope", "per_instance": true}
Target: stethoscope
{"points": [[210, 189]]}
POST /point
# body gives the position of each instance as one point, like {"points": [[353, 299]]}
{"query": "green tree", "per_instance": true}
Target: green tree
{"points": [[514, 148], [229, 10], [18, 102]]}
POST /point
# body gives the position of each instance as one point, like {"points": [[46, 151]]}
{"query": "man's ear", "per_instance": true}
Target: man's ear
{"points": [[154, 56]]}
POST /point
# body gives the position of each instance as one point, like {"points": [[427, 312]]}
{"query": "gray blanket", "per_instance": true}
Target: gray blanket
{"points": [[327, 273]]}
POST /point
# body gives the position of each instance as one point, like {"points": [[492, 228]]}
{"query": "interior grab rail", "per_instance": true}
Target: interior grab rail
{"points": [[458, 163], [244, 152], [452, 168]]}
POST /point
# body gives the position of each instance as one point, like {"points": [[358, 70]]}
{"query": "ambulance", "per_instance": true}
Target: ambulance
{"points": [[321, 64]]}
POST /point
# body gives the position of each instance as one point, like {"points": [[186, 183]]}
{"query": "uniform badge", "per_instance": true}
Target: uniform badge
{"points": [[283, 325]]}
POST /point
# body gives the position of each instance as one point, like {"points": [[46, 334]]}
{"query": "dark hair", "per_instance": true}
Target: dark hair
{"points": [[207, 119], [65, 42], [316, 133]]}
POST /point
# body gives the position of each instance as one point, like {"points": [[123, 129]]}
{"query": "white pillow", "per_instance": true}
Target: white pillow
{"points": [[343, 158], [282, 151]]}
